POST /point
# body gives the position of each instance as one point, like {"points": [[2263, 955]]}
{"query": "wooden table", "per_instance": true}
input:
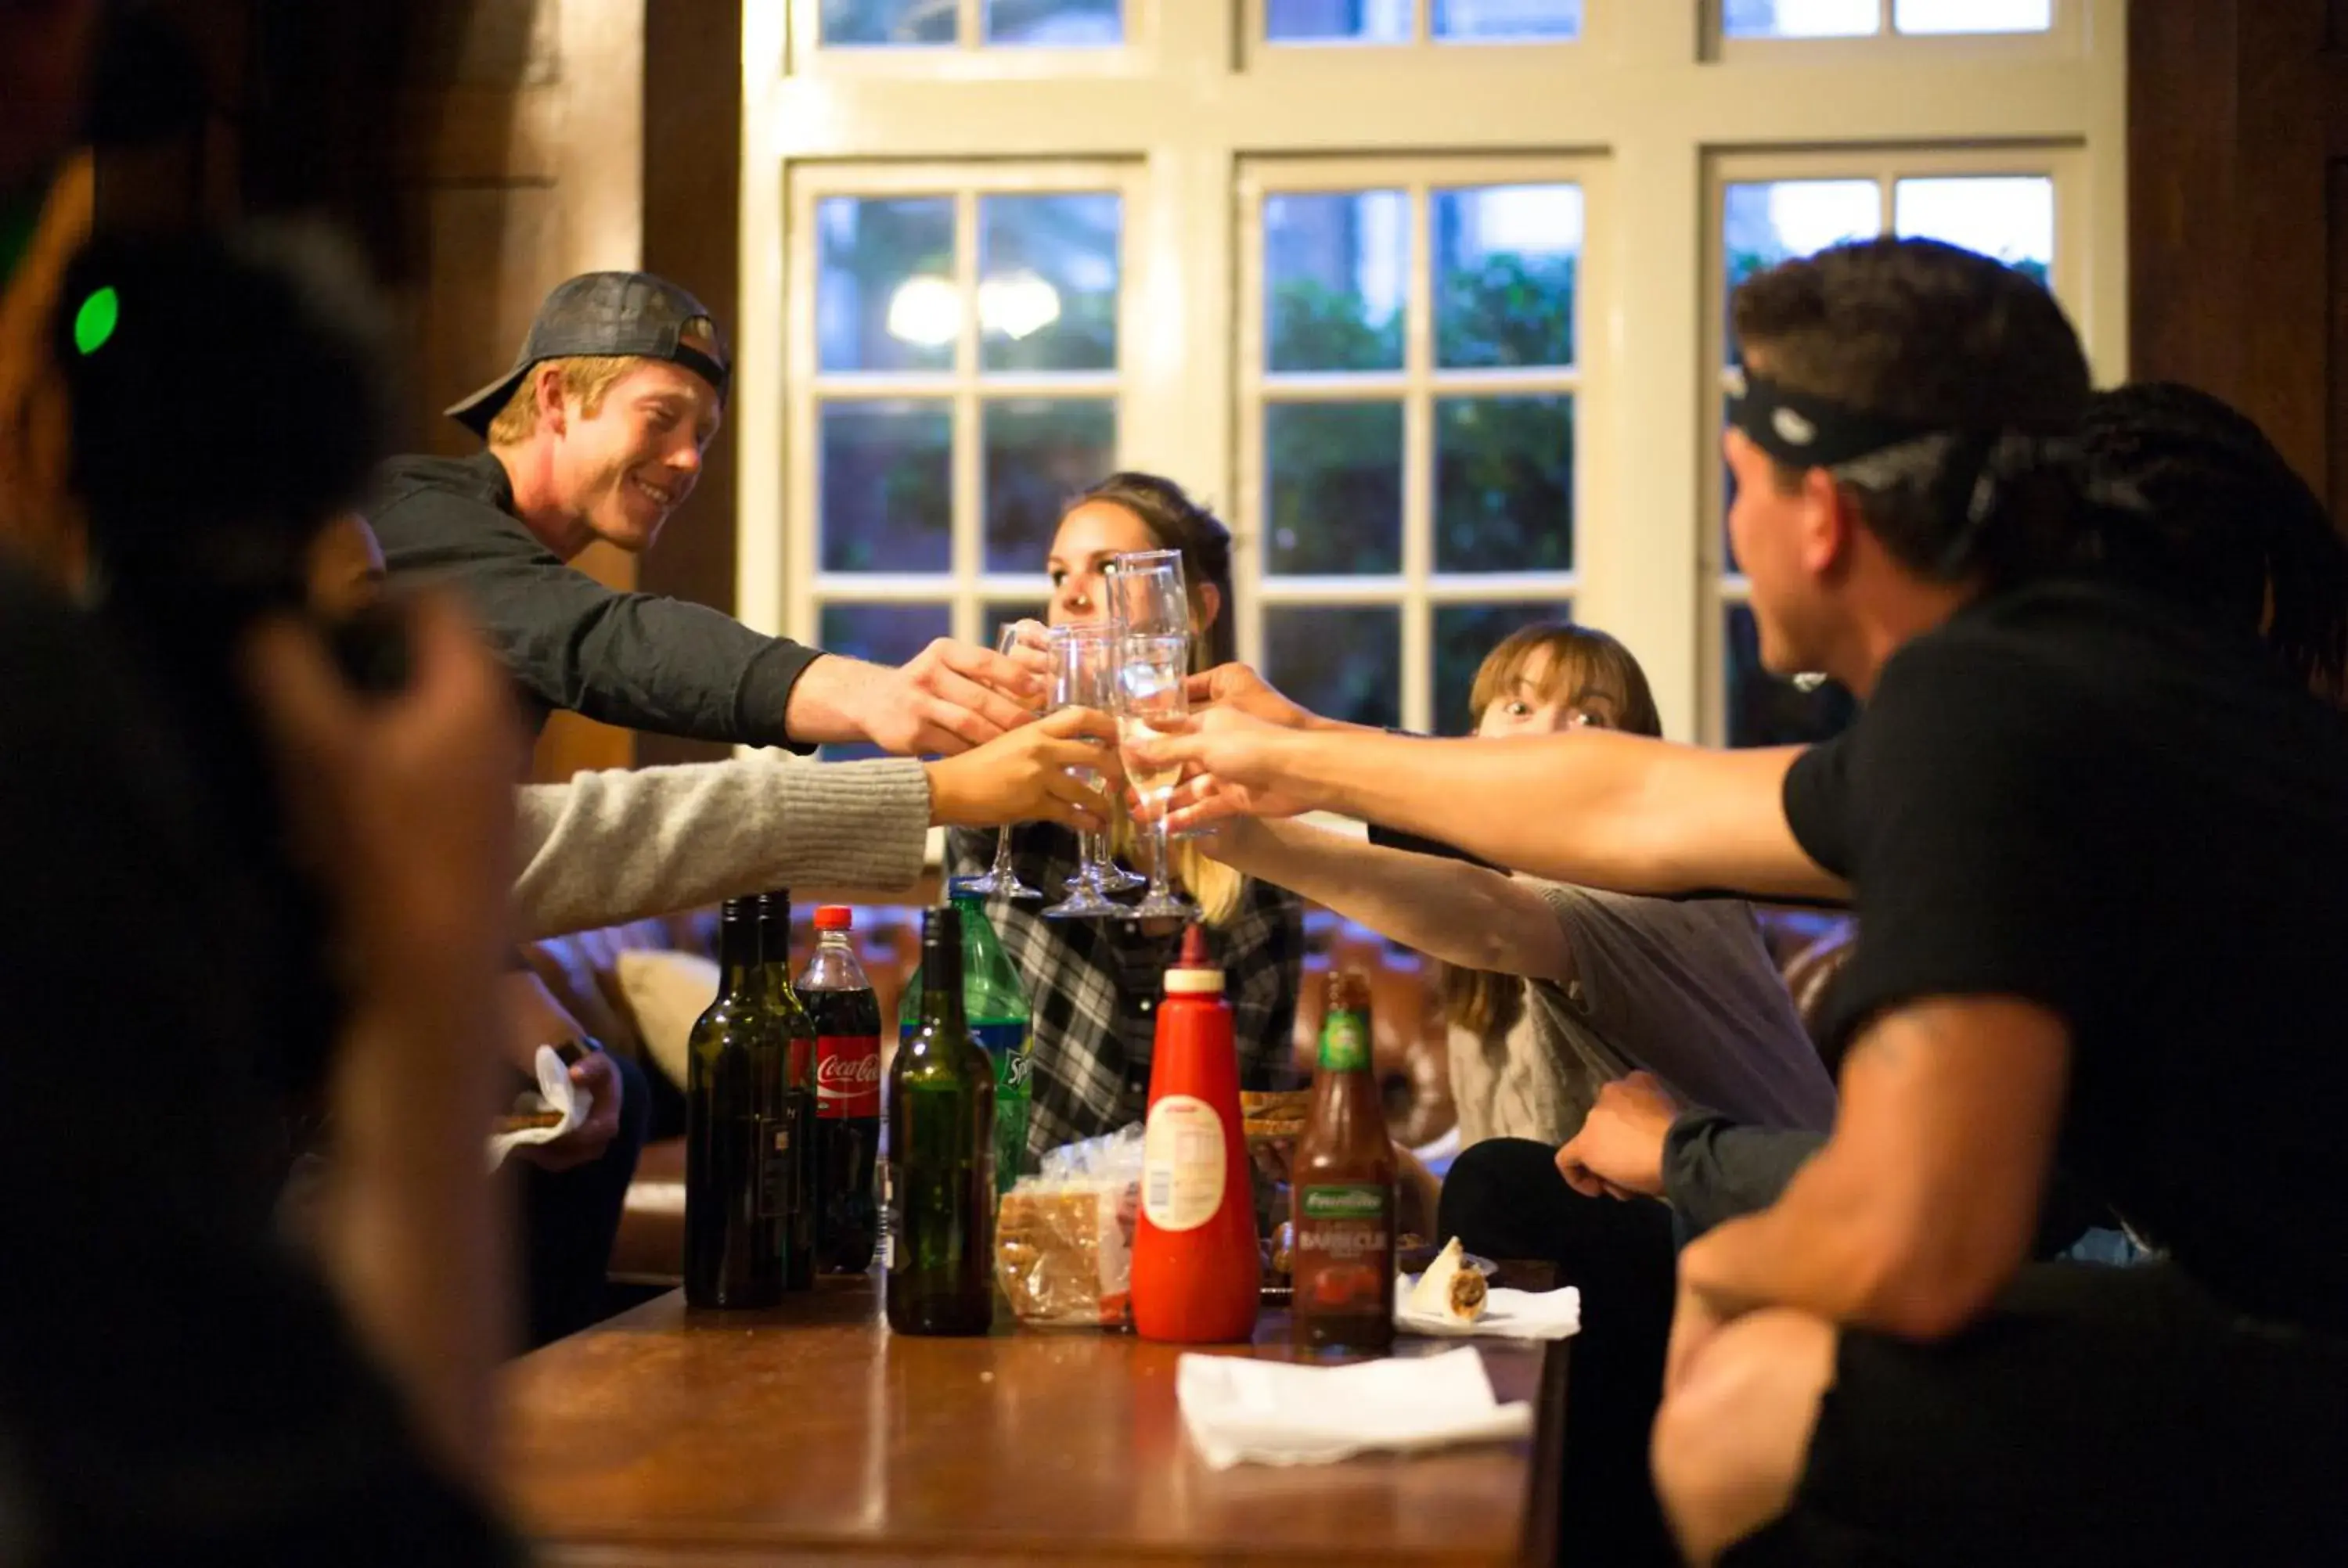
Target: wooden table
{"points": [[663, 1437]]}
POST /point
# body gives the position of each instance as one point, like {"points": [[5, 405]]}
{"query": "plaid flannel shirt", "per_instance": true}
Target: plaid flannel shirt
{"points": [[1093, 986]]}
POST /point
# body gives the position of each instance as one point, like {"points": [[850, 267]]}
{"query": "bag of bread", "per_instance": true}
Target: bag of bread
{"points": [[1063, 1238]]}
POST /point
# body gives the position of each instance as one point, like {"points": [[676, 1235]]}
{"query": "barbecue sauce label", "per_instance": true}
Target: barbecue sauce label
{"points": [[1345, 1249], [1346, 1042]]}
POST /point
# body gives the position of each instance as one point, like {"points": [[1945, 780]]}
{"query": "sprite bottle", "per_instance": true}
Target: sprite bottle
{"points": [[995, 1005]]}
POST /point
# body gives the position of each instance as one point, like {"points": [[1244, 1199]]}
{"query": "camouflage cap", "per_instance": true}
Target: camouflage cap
{"points": [[631, 313]]}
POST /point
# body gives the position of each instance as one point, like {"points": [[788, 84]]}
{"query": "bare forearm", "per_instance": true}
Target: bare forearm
{"points": [[1601, 810], [824, 702], [1447, 909]]}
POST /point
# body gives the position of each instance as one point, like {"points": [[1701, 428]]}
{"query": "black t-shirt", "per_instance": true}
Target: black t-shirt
{"points": [[174, 1387], [636, 660], [2069, 795]]}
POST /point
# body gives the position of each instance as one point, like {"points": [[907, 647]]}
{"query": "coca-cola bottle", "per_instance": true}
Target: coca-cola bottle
{"points": [[847, 1015]]}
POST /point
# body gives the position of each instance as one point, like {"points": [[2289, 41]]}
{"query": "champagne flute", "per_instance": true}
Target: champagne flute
{"points": [[1084, 676], [1152, 686], [1147, 594], [1000, 880]]}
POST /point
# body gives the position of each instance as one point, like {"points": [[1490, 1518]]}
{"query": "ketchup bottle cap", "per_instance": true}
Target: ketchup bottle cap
{"points": [[1194, 973]]}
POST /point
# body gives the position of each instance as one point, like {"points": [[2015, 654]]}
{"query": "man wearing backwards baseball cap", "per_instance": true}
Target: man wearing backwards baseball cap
{"points": [[597, 433]]}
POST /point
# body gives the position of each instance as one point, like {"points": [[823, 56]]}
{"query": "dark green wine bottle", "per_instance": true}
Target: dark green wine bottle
{"points": [[941, 1184], [795, 1136], [736, 1191]]}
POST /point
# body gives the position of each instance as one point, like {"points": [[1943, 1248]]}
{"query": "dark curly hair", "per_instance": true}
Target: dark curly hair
{"points": [[2227, 527]]}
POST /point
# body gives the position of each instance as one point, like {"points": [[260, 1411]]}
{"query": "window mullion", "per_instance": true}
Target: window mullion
{"points": [[1418, 462], [968, 488]]}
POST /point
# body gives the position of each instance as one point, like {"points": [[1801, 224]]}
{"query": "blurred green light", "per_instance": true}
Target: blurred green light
{"points": [[94, 322]]}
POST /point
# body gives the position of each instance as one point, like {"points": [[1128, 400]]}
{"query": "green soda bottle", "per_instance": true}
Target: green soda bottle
{"points": [[996, 1004]]}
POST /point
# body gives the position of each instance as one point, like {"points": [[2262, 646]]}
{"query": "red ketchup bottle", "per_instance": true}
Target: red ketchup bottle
{"points": [[1196, 1273]]}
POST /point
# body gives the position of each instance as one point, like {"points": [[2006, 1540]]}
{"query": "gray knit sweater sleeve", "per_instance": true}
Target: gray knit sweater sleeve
{"points": [[624, 844]]}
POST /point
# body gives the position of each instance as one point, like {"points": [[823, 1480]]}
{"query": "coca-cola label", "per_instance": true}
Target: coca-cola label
{"points": [[847, 1075]]}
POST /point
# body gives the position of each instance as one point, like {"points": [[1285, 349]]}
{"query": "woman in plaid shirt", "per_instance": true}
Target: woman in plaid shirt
{"points": [[1094, 985]]}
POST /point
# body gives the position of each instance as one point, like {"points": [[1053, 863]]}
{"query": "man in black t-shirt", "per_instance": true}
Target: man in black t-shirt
{"points": [[597, 434], [2099, 845]]}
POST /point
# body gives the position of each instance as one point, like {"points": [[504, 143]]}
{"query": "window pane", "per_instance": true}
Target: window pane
{"points": [[886, 485], [1335, 267], [1039, 453], [2010, 217], [884, 293], [1764, 710], [1337, 21], [1344, 662], [1973, 15], [1507, 18], [1801, 18], [1504, 484], [1055, 24], [1504, 259], [1767, 222], [1463, 634], [1048, 270], [896, 22], [1335, 500], [883, 634]]}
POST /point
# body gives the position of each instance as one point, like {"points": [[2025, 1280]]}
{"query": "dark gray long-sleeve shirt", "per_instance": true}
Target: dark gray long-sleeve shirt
{"points": [[1715, 1169], [636, 660]]}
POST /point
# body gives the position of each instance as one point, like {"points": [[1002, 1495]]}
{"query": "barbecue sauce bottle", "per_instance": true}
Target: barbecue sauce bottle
{"points": [[1342, 1185]]}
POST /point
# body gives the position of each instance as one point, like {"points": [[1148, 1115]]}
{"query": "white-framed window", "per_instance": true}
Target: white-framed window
{"points": [[1410, 377], [2023, 205], [1738, 27], [1335, 153], [956, 372], [1320, 23]]}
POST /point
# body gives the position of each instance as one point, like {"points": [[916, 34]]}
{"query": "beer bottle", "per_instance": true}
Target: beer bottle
{"points": [[941, 1186], [1342, 1181], [794, 1133], [736, 1191], [996, 1004]]}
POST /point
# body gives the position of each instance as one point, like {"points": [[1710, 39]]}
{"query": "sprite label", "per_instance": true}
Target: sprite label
{"points": [[1346, 1042]]}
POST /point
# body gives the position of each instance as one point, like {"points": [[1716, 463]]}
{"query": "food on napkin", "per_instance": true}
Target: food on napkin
{"points": [[1449, 1288], [558, 1107]]}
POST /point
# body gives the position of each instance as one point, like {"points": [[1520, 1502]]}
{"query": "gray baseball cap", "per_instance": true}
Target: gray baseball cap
{"points": [[631, 313]]}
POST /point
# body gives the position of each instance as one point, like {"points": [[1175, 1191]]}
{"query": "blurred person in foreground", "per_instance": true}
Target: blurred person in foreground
{"points": [[242, 884]]}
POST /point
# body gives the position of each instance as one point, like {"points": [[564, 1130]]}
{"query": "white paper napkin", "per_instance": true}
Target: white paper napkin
{"points": [[1508, 1314], [555, 1092], [1238, 1411]]}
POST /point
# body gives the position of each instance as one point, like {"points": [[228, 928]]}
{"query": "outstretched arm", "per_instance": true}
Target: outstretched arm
{"points": [[1596, 809], [1447, 909]]}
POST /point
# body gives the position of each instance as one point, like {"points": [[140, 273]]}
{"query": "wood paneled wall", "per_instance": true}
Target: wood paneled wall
{"points": [[531, 168], [2238, 198]]}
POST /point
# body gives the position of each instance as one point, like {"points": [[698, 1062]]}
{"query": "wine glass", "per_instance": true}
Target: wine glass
{"points": [[1152, 686], [1147, 594], [1000, 880], [1084, 675]]}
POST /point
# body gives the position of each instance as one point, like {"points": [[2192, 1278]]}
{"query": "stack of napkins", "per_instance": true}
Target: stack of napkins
{"points": [[1240, 1410], [1508, 1314]]}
